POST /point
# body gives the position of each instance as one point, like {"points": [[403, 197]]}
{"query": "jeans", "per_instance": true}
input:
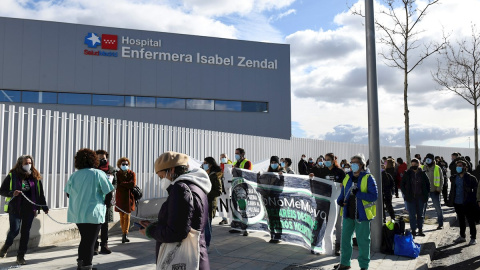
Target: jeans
{"points": [[436, 203], [466, 211], [20, 224], [415, 213], [208, 232], [403, 196], [362, 231], [88, 234]]}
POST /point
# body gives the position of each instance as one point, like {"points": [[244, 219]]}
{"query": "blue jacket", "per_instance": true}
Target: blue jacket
{"points": [[370, 196]]}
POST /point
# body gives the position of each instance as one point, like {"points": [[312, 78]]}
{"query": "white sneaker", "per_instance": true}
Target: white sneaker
{"points": [[472, 242], [460, 240]]}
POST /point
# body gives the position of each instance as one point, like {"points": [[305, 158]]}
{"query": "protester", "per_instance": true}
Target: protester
{"points": [[275, 165], [224, 160], [419, 157], [347, 168], [444, 166], [402, 168], [463, 196], [288, 163], [416, 186], [89, 193], [124, 198], [390, 169], [333, 172], [241, 162], [282, 162], [388, 185], [316, 170], [342, 163], [22, 180], [215, 175], [303, 165], [453, 165], [110, 171], [357, 201], [310, 164], [178, 214], [435, 176], [470, 165], [274, 214]]}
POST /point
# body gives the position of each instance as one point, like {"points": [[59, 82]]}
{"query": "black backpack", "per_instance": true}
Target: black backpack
{"points": [[399, 227], [388, 237]]}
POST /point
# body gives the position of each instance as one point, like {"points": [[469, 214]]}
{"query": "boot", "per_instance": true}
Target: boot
{"points": [[3, 251], [95, 249], [337, 249], [79, 264], [104, 249], [125, 239], [21, 259]]}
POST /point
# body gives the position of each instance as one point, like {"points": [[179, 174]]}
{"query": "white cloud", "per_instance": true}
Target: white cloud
{"points": [[282, 15]]}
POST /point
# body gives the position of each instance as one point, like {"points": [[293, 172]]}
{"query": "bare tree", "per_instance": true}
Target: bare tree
{"points": [[459, 72], [401, 35]]}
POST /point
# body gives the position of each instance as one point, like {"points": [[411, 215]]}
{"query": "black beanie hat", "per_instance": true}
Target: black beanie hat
{"points": [[274, 158], [430, 155]]}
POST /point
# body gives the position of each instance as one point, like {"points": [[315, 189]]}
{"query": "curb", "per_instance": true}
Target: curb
{"points": [[429, 247]]}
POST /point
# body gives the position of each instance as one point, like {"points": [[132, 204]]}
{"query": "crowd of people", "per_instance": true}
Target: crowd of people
{"points": [[96, 189]]}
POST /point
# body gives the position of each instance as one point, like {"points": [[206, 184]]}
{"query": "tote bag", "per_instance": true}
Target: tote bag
{"points": [[404, 246], [183, 255]]}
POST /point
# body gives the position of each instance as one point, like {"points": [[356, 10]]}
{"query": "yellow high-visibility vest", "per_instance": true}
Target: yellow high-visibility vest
{"points": [[242, 165], [436, 175], [370, 207]]}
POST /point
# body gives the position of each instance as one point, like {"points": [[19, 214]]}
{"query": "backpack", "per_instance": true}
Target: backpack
{"points": [[388, 237]]}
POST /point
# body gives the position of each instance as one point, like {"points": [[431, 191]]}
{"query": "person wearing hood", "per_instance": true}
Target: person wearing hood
{"points": [[333, 172], [124, 198], [435, 176], [22, 180], [357, 201], [215, 174], [303, 165], [416, 187], [110, 171], [178, 215]]}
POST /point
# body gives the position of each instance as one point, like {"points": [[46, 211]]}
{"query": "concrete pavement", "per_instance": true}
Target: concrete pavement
{"points": [[230, 251]]}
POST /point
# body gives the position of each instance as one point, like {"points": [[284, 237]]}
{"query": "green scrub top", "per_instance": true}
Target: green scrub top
{"points": [[87, 189]]}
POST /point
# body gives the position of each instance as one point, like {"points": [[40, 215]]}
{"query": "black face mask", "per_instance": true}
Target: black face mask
{"points": [[103, 162], [414, 168]]}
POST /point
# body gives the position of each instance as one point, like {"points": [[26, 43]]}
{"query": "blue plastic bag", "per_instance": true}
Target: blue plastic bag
{"points": [[404, 246]]}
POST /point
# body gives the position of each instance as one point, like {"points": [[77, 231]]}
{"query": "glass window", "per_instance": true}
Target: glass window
{"points": [[249, 106], [108, 100], [224, 105], [39, 97], [130, 101], [171, 103], [200, 104], [10, 96], [74, 99], [145, 102]]}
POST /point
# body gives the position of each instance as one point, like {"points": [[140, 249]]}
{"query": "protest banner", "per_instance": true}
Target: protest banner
{"points": [[292, 208]]}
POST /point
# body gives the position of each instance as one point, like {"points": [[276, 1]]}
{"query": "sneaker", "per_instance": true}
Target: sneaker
{"points": [[420, 233], [472, 242], [3, 251], [460, 240], [21, 260], [341, 267], [233, 231], [274, 241], [245, 233], [223, 222], [440, 228]]}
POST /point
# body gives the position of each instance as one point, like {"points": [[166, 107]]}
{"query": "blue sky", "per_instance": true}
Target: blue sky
{"points": [[327, 44]]}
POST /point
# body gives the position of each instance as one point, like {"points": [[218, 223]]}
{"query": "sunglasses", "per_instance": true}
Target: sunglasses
{"points": [[124, 164]]}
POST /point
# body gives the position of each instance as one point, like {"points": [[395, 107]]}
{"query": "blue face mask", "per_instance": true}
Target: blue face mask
{"points": [[282, 164], [459, 169], [328, 163], [237, 157], [224, 160], [274, 166], [428, 160], [320, 163], [205, 166], [355, 167], [124, 168]]}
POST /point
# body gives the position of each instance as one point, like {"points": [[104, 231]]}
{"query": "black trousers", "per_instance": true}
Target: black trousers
{"points": [[387, 202], [466, 211], [445, 190], [88, 234]]}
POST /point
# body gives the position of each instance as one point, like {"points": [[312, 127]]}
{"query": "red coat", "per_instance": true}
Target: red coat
{"points": [[124, 196], [402, 168]]}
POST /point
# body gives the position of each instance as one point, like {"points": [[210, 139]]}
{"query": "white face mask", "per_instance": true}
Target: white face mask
{"points": [[347, 170], [27, 167], [165, 183]]}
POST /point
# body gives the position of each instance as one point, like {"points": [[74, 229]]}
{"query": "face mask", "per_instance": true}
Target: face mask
{"points": [[310, 161], [237, 157], [328, 163], [165, 183], [282, 164], [355, 167], [459, 169], [428, 161], [205, 166], [103, 162], [347, 170], [304, 159], [274, 166], [124, 168], [320, 163], [414, 168], [27, 167], [224, 160], [343, 165]]}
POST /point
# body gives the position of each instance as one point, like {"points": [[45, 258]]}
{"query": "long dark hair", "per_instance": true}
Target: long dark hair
{"points": [[334, 159], [213, 164], [21, 173]]}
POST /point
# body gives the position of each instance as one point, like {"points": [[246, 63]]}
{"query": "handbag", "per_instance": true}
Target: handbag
{"points": [[184, 255], [137, 193], [404, 246]]}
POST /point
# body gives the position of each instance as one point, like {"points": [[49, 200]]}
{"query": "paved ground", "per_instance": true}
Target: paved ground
{"points": [[450, 256], [228, 251]]}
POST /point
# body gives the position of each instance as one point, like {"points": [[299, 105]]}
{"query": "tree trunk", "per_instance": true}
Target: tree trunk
{"points": [[407, 119], [475, 133]]}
